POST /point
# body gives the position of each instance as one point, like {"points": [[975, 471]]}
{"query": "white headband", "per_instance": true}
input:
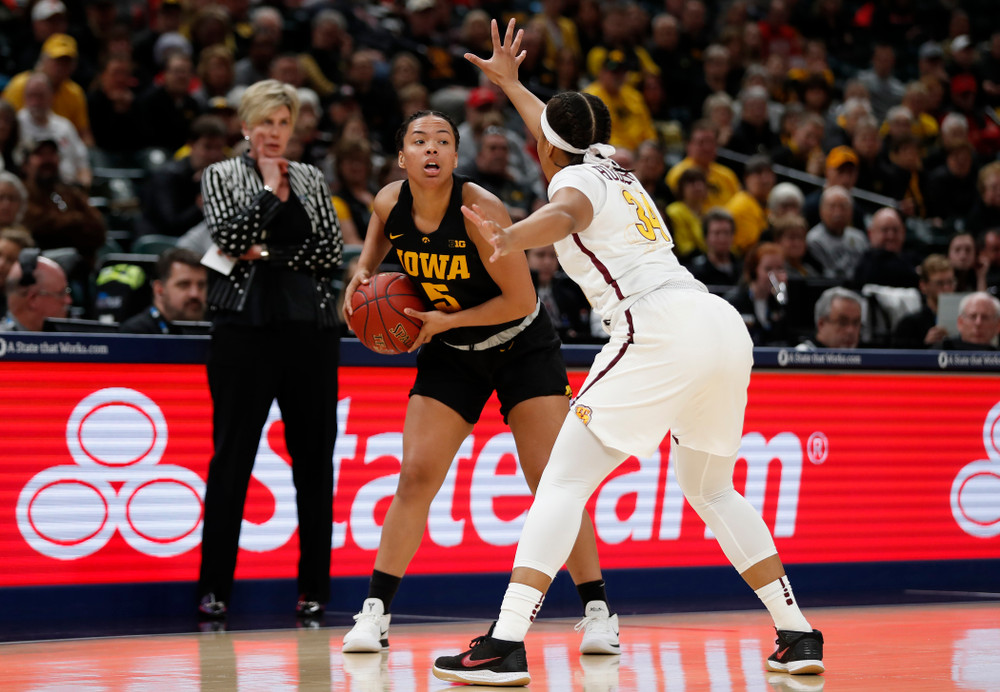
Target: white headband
{"points": [[594, 153], [555, 139]]}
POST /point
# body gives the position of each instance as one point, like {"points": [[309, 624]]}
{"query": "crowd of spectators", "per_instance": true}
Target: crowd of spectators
{"points": [[793, 146]]}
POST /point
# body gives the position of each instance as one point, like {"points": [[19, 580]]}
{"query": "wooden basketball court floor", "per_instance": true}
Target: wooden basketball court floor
{"points": [[933, 647]]}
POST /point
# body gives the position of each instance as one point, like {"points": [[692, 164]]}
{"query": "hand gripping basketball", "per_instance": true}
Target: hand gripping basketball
{"points": [[378, 318]]}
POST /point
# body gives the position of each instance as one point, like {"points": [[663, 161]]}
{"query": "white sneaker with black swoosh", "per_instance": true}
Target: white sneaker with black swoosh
{"points": [[600, 630], [370, 633]]}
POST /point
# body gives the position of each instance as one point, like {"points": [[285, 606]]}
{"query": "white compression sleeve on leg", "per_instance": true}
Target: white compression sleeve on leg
{"points": [[577, 465], [707, 482]]}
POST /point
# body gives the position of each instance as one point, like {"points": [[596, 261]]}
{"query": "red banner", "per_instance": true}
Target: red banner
{"points": [[102, 477]]}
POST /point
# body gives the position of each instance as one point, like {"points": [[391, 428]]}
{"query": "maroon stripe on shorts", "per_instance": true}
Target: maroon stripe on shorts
{"points": [[618, 356], [600, 266]]}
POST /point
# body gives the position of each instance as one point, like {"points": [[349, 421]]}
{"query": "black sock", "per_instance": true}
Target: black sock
{"points": [[592, 591], [383, 586]]}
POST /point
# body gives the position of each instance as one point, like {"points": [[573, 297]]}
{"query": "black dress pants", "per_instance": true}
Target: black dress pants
{"points": [[248, 368]]}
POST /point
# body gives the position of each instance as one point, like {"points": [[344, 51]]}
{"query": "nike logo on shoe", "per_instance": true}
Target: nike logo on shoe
{"points": [[468, 662], [781, 653]]}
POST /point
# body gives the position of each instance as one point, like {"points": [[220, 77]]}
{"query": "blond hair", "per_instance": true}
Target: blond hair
{"points": [[266, 96]]}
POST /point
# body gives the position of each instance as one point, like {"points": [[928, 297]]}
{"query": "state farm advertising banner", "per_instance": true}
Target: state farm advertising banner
{"points": [[102, 476]]}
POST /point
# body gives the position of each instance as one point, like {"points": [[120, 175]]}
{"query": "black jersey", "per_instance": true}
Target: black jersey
{"points": [[444, 264]]}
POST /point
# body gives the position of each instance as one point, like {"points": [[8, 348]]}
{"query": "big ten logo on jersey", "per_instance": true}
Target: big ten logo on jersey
{"points": [[457, 243], [976, 488]]}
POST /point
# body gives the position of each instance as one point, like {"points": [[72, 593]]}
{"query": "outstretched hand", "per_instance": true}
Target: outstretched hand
{"points": [[507, 55], [494, 234]]}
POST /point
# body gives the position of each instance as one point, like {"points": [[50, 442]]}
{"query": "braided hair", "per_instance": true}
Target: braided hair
{"points": [[581, 119]]}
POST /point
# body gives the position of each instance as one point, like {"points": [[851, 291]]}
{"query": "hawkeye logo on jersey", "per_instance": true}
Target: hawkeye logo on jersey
{"points": [[456, 243], [584, 413], [430, 265]]}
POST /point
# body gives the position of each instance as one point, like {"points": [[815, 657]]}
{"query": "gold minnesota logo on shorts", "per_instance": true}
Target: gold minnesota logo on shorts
{"points": [[583, 413]]}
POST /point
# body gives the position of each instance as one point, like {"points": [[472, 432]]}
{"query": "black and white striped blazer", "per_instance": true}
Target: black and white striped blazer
{"points": [[237, 211]]}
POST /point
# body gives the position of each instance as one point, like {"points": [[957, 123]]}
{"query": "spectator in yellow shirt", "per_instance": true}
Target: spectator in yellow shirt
{"points": [[685, 214], [57, 62], [701, 151], [749, 206], [631, 123]]}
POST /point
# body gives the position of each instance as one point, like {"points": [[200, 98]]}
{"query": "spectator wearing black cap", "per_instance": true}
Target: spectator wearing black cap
{"points": [[36, 289], [58, 215]]}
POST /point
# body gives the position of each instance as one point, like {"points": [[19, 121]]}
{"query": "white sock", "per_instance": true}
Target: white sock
{"points": [[520, 605], [781, 603]]}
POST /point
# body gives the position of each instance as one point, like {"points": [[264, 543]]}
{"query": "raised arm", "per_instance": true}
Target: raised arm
{"points": [[569, 211], [501, 69]]}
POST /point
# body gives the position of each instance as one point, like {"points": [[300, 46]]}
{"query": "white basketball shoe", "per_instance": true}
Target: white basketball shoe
{"points": [[370, 633], [600, 630]]}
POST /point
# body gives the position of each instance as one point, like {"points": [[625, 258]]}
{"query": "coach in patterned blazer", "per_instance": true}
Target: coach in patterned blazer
{"points": [[275, 337]]}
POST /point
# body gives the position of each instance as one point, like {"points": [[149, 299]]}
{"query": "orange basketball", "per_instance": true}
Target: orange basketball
{"points": [[378, 319]]}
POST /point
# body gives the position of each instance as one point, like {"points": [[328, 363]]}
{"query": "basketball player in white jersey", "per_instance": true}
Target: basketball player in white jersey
{"points": [[678, 360]]}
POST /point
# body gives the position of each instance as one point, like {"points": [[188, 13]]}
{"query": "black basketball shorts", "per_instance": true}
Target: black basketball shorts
{"points": [[527, 366]]}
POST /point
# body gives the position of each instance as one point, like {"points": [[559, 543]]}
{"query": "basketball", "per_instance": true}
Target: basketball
{"points": [[378, 319]]}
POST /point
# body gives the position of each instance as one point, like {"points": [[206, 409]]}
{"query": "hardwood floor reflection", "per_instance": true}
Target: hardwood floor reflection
{"points": [[926, 647]]}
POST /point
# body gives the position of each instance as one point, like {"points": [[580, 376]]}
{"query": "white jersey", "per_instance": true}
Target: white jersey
{"points": [[627, 249]]}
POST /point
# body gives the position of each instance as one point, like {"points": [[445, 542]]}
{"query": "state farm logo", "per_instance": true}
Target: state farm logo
{"points": [[975, 492], [116, 437]]}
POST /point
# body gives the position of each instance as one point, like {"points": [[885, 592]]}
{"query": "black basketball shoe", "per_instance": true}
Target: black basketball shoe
{"points": [[798, 653], [488, 661]]}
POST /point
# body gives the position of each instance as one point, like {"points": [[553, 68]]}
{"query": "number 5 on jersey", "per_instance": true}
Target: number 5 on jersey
{"points": [[648, 220]]}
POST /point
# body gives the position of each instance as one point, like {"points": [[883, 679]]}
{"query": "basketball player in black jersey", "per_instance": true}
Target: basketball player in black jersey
{"points": [[486, 331]]}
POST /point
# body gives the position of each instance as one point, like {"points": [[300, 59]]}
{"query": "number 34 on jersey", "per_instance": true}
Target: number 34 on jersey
{"points": [[648, 221]]}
